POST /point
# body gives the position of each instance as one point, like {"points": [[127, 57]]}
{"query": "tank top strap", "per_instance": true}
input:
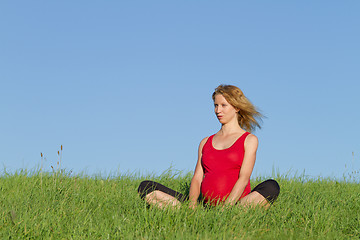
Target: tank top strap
{"points": [[208, 141], [241, 139], [245, 135]]}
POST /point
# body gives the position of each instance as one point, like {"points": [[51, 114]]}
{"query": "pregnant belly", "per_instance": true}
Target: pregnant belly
{"points": [[216, 187]]}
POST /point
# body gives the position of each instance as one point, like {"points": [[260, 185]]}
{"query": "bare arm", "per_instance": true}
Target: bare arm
{"points": [[251, 144], [197, 178]]}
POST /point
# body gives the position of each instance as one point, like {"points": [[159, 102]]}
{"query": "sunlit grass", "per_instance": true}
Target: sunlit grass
{"points": [[40, 205]]}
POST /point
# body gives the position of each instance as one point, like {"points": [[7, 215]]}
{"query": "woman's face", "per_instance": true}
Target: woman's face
{"points": [[224, 111]]}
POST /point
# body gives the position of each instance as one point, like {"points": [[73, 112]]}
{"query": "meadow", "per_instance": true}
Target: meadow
{"points": [[59, 205]]}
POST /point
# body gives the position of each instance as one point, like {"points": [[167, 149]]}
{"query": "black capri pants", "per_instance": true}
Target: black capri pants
{"points": [[269, 189]]}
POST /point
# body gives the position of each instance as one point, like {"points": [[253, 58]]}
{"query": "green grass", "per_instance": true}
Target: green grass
{"points": [[61, 206]]}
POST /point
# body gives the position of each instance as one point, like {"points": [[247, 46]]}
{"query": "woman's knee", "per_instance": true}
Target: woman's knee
{"points": [[273, 186], [269, 189], [146, 187]]}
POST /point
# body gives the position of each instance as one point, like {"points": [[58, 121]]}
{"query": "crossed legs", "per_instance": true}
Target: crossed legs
{"points": [[157, 194]]}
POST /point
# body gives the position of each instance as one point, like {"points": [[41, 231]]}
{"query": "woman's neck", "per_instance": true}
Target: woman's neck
{"points": [[230, 128]]}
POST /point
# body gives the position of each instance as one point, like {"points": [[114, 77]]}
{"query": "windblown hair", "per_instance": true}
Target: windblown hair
{"points": [[248, 115]]}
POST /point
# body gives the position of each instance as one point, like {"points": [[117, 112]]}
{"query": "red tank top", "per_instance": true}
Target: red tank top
{"points": [[221, 170]]}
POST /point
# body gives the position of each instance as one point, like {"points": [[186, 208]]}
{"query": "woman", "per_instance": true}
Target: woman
{"points": [[225, 160]]}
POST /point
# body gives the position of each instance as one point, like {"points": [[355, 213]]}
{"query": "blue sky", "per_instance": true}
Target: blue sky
{"points": [[125, 86]]}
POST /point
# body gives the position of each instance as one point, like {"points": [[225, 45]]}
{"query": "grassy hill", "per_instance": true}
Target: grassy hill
{"points": [[61, 206]]}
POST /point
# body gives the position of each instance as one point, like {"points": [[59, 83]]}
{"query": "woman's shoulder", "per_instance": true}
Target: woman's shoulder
{"points": [[204, 140], [251, 141]]}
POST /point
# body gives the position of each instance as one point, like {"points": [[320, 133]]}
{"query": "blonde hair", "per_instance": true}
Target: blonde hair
{"points": [[248, 115]]}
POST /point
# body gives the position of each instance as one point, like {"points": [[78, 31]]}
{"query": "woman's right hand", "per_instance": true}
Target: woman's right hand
{"points": [[193, 205]]}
